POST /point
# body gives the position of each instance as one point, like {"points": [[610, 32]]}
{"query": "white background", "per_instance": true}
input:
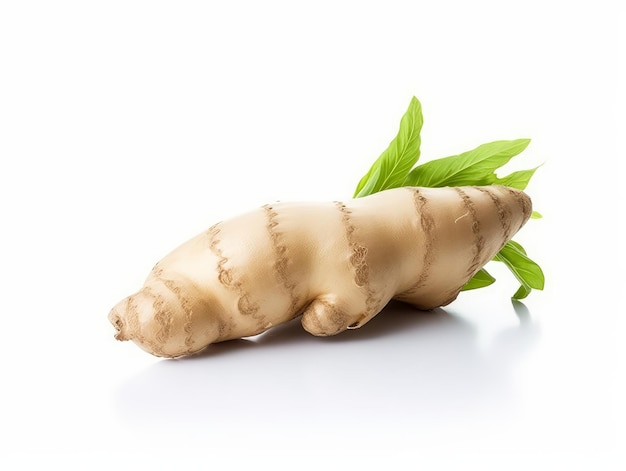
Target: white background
{"points": [[128, 127]]}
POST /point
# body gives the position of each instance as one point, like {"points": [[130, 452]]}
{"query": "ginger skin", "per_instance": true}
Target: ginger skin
{"points": [[334, 264]]}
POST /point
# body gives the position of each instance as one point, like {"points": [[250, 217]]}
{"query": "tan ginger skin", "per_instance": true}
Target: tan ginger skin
{"points": [[335, 264]]}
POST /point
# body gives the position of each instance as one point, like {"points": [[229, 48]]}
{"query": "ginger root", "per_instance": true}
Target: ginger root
{"points": [[334, 264]]}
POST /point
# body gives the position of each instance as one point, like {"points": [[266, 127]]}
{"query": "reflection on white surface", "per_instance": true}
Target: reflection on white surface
{"points": [[408, 372]]}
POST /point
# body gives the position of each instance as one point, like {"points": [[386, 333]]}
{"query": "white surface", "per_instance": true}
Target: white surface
{"points": [[127, 127]]}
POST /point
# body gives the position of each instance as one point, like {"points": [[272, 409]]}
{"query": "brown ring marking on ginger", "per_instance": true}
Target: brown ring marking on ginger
{"points": [[185, 305], [479, 240], [281, 253], [427, 224], [358, 261], [135, 327], [162, 316], [523, 202], [245, 304], [502, 211]]}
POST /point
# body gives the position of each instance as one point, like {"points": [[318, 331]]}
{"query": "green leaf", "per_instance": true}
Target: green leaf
{"points": [[527, 272], [517, 179], [370, 182], [481, 279], [394, 164], [521, 293], [476, 167], [517, 246], [535, 215]]}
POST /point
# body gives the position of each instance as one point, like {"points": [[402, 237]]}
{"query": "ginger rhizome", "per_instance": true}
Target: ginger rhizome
{"points": [[335, 264]]}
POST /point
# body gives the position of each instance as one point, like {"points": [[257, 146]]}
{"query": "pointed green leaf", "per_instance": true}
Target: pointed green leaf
{"points": [[476, 167], [481, 279], [527, 272], [535, 215], [518, 180], [517, 246], [370, 182], [394, 164], [522, 292]]}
